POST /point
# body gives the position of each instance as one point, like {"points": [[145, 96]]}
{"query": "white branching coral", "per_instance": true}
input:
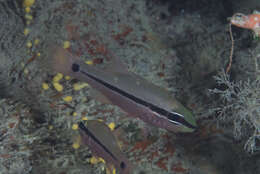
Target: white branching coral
{"points": [[240, 105]]}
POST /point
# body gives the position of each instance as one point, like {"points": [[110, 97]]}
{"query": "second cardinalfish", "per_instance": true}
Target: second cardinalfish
{"points": [[102, 142], [133, 94]]}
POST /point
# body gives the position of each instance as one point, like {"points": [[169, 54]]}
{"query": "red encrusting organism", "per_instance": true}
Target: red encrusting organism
{"points": [[251, 21]]}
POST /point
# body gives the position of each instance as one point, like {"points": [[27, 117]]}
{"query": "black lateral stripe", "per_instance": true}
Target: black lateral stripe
{"points": [[161, 111], [89, 133]]}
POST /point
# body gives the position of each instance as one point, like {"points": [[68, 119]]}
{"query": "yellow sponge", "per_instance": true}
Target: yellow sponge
{"points": [[67, 99], [75, 126], [58, 86], [45, 86], [28, 3], [112, 126], [57, 77]]}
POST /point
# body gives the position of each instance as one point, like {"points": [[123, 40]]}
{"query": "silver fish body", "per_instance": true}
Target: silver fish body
{"points": [[99, 138], [133, 94]]}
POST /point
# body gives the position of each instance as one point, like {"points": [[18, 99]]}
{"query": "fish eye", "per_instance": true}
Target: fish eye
{"points": [[75, 67], [122, 165]]}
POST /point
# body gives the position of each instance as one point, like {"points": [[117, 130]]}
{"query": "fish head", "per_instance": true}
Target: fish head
{"points": [[182, 117], [190, 123]]}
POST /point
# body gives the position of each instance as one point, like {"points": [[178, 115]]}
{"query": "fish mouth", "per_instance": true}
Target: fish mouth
{"points": [[186, 119], [189, 129], [191, 126]]}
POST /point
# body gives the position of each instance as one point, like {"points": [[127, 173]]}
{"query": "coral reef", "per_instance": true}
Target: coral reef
{"points": [[178, 45], [240, 108]]}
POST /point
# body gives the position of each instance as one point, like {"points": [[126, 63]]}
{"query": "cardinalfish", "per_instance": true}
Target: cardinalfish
{"points": [[133, 94], [102, 142]]}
